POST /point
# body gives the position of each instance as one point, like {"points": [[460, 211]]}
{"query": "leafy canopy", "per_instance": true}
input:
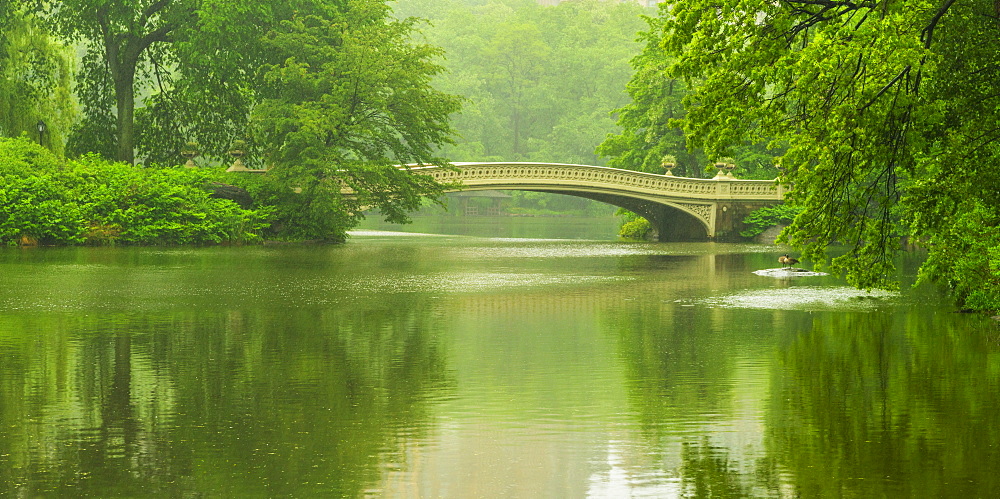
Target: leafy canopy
{"points": [[887, 110], [347, 99], [650, 134], [332, 94]]}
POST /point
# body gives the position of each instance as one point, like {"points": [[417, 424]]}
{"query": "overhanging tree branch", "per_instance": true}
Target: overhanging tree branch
{"points": [[927, 35]]}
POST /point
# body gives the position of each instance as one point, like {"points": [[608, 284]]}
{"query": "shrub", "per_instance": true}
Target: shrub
{"points": [[633, 226], [94, 201]]}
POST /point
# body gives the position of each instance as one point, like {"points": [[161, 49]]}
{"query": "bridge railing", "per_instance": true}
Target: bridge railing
{"points": [[555, 174]]}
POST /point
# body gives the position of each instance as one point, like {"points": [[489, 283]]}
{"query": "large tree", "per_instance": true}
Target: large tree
{"points": [[346, 99], [647, 132], [122, 38], [889, 112], [649, 123], [331, 93]]}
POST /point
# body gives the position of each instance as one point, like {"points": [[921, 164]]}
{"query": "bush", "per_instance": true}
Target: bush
{"points": [[93, 201], [636, 229], [34, 206], [633, 226], [298, 211]]}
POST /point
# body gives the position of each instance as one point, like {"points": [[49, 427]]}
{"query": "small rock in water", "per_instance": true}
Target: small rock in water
{"points": [[789, 272]]}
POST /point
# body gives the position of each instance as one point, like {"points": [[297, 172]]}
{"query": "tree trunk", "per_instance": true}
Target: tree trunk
{"points": [[122, 56], [125, 98]]}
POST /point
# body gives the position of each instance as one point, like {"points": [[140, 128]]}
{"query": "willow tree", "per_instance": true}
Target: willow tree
{"points": [[35, 80], [889, 112]]}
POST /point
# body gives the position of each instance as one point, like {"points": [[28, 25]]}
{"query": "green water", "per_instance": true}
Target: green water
{"points": [[408, 365]]}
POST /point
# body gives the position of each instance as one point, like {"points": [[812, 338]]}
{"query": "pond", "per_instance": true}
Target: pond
{"points": [[512, 363]]}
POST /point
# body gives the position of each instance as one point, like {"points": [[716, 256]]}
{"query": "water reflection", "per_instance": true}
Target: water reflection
{"points": [[888, 405], [466, 367], [228, 404]]}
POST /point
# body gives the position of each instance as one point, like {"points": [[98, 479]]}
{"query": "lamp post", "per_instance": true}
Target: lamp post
{"points": [[41, 130]]}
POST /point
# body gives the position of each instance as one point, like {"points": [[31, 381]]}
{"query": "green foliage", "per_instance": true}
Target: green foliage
{"points": [[34, 206], [296, 213], [129, 205], [647, 135], [540, 80], [92, 201], [346, 100], [34, 80], [125, 41], [333, 94], [633, 226], [966, 254], [649, 122], [761, 219], [881, 108]]}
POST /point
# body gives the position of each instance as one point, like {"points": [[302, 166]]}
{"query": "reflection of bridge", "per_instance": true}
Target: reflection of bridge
{"points": [[679, 208]]}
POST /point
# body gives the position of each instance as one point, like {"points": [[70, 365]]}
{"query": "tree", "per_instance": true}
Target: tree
{"points": [[331, 93], [346, 100], [647, 135], [121, 38], [649, 123], [540, 80], [35, 80], [888, 111]]}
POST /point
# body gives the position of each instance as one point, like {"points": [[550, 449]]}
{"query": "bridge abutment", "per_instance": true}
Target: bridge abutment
{"points": [[729, 219]]}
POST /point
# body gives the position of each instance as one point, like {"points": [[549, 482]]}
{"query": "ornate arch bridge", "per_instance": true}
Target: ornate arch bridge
{"points": [[678, 208]]}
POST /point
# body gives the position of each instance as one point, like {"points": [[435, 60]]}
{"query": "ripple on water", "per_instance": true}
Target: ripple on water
{"points": [[471, 281], [574, 250], [389, 233], [561, 248], [810, 298]]}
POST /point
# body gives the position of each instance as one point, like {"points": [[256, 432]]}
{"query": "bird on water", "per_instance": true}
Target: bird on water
{"points": [[787, 261]]}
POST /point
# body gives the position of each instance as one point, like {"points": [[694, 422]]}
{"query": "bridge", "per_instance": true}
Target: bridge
{"points": [[678, 208]]}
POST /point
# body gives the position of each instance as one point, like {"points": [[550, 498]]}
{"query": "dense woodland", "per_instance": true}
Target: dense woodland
{"points": [[881, 115]]}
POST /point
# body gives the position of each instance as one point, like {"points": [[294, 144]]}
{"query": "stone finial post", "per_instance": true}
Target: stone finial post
{"points": [[668, 164], [237, 152], [189, 152]]}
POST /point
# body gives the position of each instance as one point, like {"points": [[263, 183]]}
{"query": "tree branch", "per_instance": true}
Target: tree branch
{"points": [[927, 34], [886, 88]]}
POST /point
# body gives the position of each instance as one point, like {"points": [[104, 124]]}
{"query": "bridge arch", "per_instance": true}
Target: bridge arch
{"points": [[679, 208]]}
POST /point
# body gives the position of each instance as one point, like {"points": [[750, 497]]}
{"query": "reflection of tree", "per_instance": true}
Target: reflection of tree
{"points": [[876, 405], [674, 370], [686, 388], [707, 472], [266, 403]]}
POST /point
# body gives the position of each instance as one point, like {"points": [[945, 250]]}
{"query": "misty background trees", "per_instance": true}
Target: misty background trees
{"points": [[539, 82]]}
